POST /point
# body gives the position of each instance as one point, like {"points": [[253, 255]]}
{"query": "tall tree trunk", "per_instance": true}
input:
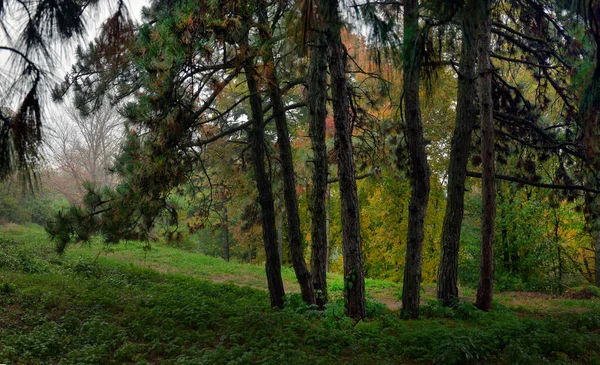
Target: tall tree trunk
{"points": [[466, 117], [354, 280], [488, 182], [225, 234], [317, 108], [263, 184], [419, 168], [590, 115], [289, 177]]}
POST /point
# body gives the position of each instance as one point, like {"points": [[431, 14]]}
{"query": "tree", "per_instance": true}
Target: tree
{"points": [[447, 283], [414, 38], [287, 163], [488, 191], [354, 282], [589, 113], [317, 108], [263, 185]]}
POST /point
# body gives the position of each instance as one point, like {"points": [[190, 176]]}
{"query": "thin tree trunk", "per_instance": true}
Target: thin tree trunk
{"points": [[466, 117], [354, 281], [328, 226], [488, 189], [263, 184], [558, 249], [596, 239], [280, 235], [505, 249], [289, 177], [317, 108], [419, 168], [225, 234]]}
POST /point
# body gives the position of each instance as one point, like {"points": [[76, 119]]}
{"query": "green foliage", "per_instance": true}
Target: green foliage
{"points": [[19, 206], [85, 308], [539, 243]]}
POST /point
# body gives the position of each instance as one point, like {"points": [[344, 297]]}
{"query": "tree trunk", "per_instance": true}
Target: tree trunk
{"points": [[328, 226], [419, 168], [263, 184], [488, 188], [466, 117], [289, 177], [317, 108], [225, 234], [558, 249], [592, 202], [590, 115], [280, 235], [354, 281]]}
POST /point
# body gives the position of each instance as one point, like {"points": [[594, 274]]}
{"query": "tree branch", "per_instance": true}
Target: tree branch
{"points": [[373, 171], [537, 184]]}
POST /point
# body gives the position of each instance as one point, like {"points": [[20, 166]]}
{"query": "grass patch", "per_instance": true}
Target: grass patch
{"points": [[159, 307]]}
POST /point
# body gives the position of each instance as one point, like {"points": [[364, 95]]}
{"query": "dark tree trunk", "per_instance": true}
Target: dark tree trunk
{"points": [[225, 234], [317, 108], [289, 179], [419, 168], [466, 117], [488, 183], [328, 226], [354, 281], [590, 115], [592, 216], [265, 193]]}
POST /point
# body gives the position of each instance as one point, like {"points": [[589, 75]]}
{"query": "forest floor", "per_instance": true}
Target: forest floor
{"points": [[123, 304]]}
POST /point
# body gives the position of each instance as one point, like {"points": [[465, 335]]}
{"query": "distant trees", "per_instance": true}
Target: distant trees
{"points": [[84, 148]]}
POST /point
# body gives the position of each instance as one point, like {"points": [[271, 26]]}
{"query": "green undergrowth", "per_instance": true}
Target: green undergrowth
{"points": [[85, 308]]}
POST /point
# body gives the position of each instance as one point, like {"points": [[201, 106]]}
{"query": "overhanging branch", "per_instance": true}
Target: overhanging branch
{"points": [[537, 184]]}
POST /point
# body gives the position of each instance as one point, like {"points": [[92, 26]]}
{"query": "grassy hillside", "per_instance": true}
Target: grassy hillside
{"points": [[162, 306]]}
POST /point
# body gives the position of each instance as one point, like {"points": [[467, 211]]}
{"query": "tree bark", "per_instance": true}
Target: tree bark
{"points": [[466, 117], [265, 193], [354, 281], [488, 189], [317, 108], [419, 168]]}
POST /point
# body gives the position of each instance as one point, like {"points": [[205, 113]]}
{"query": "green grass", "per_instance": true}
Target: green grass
{"points": [[158, 307]]}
